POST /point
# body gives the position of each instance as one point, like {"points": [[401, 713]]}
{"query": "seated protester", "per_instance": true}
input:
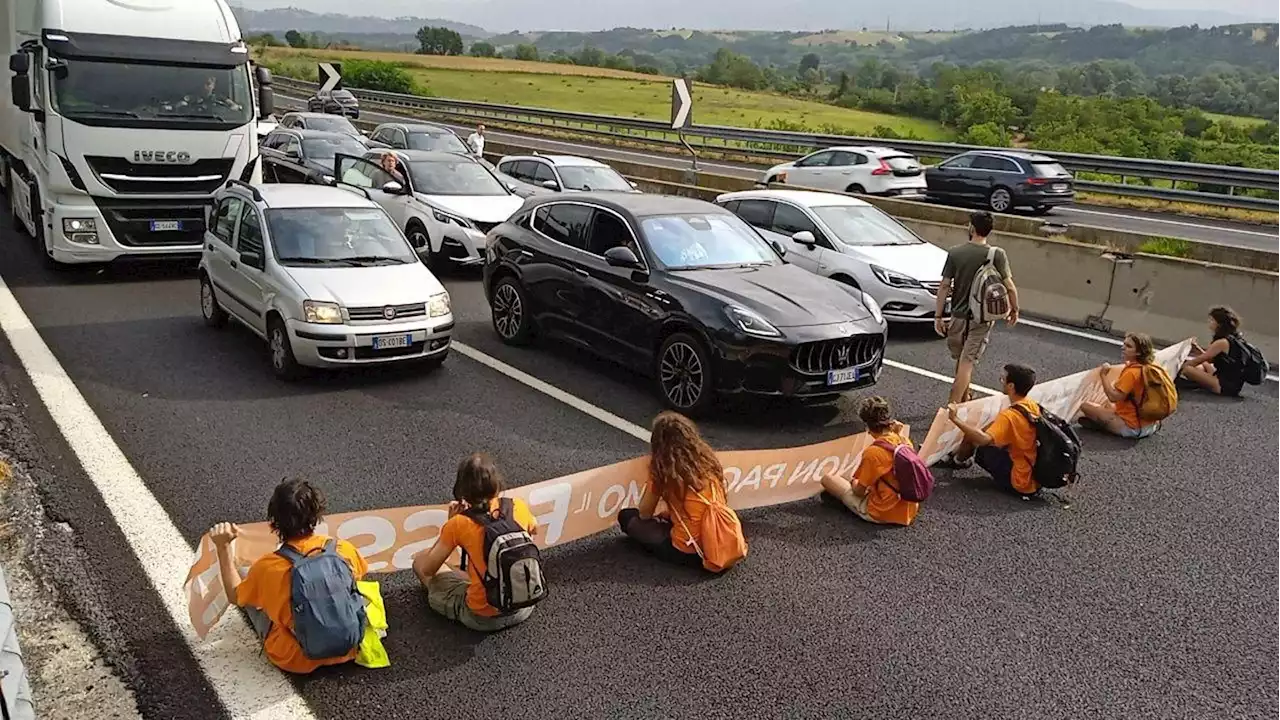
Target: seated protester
{"points": [[1221, 367], [464, 597], [685, 473], [1006, 449], [874, 494], [266, 593], [1120, 416]]}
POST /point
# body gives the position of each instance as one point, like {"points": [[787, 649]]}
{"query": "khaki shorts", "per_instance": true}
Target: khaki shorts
{"points": [[856, 503], [447, 595], [967, 340]]}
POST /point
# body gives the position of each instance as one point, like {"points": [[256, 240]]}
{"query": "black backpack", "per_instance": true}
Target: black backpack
{"points": [[1253, 365], [1057, 449], [513, 564]]}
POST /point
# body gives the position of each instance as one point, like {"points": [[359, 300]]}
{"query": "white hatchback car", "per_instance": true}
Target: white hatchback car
{"points": [[323, 275], [561, 173], [860, 170], [848, 240], [444, 202]]}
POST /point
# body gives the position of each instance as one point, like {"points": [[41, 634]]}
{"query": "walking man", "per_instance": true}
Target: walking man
{"points": [[977, 280], [476, 141]]}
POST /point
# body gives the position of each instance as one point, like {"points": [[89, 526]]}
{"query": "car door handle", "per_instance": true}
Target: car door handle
{"points": [[233, 263], [209, 246], [582, 272]]}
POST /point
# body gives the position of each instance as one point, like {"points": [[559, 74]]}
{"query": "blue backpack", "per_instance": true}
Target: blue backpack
{"points": [[328, 610]]}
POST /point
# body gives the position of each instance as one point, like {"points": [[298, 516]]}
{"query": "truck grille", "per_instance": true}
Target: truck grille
{"points": [[824, 355], [378, 314], [130, 222], [127, 178]]}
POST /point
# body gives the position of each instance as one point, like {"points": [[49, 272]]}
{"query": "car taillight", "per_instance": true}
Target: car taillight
{"points": [[884, 169], [1039, 181]]}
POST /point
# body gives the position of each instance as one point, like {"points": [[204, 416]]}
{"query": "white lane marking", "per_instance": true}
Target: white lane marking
{"points": [[1180, 223], [246, 684], [552, 391], [935, 376]]}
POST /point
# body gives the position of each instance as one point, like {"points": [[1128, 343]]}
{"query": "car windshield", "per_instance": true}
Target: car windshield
{"points": [[141, 95], [336, 236], [1049, 169], [686, 242], [343, 95], [454, 177], [441, 141], [326, 148], [588, 177], [862, 225], [332, 123]]}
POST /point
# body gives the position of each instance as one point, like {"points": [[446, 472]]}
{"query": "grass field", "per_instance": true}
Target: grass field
{"points": [[603, 91], [1247, 122]]}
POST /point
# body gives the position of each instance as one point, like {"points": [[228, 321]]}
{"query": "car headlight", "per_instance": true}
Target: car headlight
{"points": [[446, 218], [873, 307], [325, 313], [750, 322], [895, 279], [438, 305]]}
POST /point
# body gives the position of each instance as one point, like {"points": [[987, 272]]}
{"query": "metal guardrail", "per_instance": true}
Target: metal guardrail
{"points": [[787, 145], [15, 690]]}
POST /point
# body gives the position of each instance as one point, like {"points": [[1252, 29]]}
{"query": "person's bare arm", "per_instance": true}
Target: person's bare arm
{"points": [[222, 535], [1113, 394], [1013, 300], [1216, 348], [648, 505], [975, 436], [939, 321]]}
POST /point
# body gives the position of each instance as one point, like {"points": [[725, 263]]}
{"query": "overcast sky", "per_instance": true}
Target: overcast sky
{"points": [[1266, 8]]}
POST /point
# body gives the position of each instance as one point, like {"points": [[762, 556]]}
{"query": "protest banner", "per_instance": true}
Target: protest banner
{"points": [[567, 509]]}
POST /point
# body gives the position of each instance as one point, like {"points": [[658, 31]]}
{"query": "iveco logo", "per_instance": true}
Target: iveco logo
{"points": [[389, 313], [842, 356], [168, 157]]}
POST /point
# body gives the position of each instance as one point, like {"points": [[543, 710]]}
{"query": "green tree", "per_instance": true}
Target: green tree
{"points": [[376, 75], [730, 68], [438, 41], [987, 134], [810, 61], [589, 56], [295, 39], [526, 51], [483, 49]]}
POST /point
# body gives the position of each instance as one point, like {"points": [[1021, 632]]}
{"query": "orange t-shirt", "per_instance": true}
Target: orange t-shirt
{"points": [[691, 511], [875, 472], [462, 531], [267, 587], [1012, 432], [1130, 383]]}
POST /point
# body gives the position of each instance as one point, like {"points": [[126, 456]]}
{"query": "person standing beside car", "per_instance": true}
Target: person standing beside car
{"points": [[476, 141], [969, 328]]}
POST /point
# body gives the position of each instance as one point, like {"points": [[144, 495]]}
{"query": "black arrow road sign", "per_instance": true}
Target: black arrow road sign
{"points": [[681, 104], [330, 76]]}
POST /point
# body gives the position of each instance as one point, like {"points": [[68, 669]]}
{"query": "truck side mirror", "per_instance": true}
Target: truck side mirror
{"points": [[266, 101], [20, 92], [20, 63], [263, 75]]}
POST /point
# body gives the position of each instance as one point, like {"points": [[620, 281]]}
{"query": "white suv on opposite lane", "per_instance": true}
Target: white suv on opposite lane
{"points": [[323, 275], [444, 202], [862, 170], [851, 241]]}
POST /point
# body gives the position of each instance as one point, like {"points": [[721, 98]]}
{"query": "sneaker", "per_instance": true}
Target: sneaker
{"points": [[951, 463]]}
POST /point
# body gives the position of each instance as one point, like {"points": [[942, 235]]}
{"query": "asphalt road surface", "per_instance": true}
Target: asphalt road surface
{"points": [[1152, 595], [1221, 232]]}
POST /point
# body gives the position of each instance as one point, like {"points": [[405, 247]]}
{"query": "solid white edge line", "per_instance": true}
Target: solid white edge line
{"points": [[1181, 223], [935, 376], [247, 685], [552, 391]]}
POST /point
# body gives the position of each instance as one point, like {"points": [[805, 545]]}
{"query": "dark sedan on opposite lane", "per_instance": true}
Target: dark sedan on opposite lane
{"points": [[1001, 180], [681, 290]]}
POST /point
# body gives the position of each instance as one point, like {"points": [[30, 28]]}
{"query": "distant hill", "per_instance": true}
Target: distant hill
{"points": [[809, 15], [280, 20]]}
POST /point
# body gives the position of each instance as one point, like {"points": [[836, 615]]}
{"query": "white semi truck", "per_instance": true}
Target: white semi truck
{"points": [[123, 118]]}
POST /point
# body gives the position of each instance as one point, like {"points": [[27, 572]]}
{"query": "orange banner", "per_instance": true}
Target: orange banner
{"points": [[567, 508], [1062, 397]]}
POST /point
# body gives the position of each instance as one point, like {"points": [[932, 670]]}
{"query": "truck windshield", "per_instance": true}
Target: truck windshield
{"points": [[152, 95]]}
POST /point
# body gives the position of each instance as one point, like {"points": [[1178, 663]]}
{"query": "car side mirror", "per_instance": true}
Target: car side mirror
{"points": [[806, 238], [622, 257], [551, 184], [393, 188], [252, 259]]}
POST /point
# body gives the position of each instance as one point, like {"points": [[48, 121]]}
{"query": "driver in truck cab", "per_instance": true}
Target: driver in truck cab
{"points": [[206, 96]]}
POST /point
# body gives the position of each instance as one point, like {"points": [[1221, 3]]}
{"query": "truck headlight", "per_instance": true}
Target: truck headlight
{"points": [[323, 313], [438, 305], [80, 230]]}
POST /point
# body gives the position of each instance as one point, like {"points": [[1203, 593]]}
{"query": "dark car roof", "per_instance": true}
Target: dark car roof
{"points": [[308, 134], [636, 204], [1016, 154]]}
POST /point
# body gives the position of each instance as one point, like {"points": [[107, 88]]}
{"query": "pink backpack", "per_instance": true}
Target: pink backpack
{"points": [[915, 482]]}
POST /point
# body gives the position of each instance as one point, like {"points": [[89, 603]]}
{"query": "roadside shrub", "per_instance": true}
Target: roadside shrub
{"points": [[376, 75]]}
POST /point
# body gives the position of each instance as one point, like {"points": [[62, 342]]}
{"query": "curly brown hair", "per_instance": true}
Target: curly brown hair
{"points": [[679, 459], [478, 481], [295, 509], [1143, 346], [1227, 320], [876, 414]]}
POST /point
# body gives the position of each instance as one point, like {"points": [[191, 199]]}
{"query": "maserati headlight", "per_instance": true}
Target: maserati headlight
{"points": [[750, 322]]}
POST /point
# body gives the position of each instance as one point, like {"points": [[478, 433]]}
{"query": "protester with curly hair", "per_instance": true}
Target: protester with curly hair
{"points": [[1120, 415], [873, 493], [1218, 368], [686, 475], [265, 593]]}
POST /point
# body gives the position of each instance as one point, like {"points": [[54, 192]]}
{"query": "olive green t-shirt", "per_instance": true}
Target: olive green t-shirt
{"points": [[963, 263]]}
